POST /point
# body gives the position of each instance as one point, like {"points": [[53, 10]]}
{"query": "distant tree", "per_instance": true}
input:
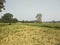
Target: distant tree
{"points": [[23, 21], [14, 20], [54, 21], [39, 20], [7, 18], [2, 5]]}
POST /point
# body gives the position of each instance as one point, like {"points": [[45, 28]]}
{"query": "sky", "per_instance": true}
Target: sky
{"points": [[28, 9]]}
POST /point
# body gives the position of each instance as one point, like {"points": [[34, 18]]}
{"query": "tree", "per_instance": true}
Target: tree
{"points": [[14, 20], [7, 18], [2, 5], [39, 20]]}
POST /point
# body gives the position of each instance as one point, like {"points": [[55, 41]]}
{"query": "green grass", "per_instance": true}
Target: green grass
{"points": [[48, 25]]}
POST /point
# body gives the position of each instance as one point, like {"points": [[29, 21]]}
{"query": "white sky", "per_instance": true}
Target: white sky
{"points": [[27, 9]]}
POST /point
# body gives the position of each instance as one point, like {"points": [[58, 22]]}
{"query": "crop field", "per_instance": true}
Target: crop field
{"points": [[30, 34]]}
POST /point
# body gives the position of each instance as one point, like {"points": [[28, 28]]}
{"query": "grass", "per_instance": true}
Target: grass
{"points": [[48, 25], [29, 34]]}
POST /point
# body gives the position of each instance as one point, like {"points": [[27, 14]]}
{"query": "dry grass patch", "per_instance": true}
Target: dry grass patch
{"points": [[28, 35]]}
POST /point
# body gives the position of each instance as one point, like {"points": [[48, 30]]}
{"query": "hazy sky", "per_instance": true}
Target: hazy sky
{"points": [[28, 9]]}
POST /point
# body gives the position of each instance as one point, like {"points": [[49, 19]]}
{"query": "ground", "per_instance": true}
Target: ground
{"points": [[22, 34]]}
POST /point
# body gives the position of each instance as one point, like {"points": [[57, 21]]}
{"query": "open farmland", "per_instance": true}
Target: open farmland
{"points": [[24, 34]]}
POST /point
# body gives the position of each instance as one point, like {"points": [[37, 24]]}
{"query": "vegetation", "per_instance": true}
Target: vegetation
{"points": [[48, 25], [39, 20], [2, 5], [27, 32], [22, 34], [8, 18]]}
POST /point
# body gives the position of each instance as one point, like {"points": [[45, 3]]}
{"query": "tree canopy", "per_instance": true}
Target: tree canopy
{"points": [[2, 5], [8, 18], [38, 16]]}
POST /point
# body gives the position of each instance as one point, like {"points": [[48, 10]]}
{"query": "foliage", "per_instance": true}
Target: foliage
{"points": [[8, 18], [14, 20], [2, 5], [39, 15], [27, 21]]}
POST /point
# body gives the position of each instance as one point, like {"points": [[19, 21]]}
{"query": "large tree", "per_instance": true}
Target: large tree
{"points": [[39, 15], [7, 18], [2, 5]]}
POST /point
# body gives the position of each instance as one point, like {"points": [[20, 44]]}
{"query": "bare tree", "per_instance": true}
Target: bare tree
{"points": [[39, 20]]}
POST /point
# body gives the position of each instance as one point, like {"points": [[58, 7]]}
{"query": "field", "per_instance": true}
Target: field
{"points": [[30, 34]]}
